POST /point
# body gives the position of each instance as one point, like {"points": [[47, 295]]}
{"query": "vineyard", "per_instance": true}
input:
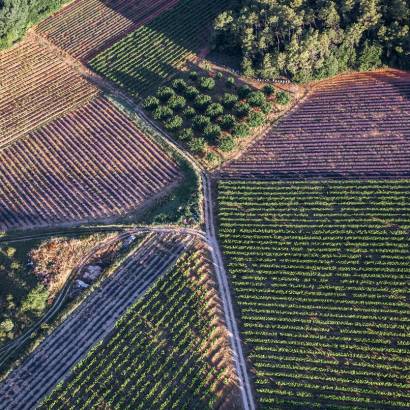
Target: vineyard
{"points": [[351, 125], [91, 321], [36, 87], [90, 164], [154, 51], [320, 275], [86, 27]]}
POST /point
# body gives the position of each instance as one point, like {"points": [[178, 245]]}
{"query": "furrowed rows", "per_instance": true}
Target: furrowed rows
{"points": [[92, 163], [320, 274], [91, 321], [35, 88], [86, 27]]}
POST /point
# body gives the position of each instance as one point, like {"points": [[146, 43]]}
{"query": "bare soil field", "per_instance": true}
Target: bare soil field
{"points": [[86, 27], [352, 125], [36, 87], [90, 164]]}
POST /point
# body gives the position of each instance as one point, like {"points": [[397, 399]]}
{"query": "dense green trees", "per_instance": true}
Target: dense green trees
{"points": [[17, 15], [307, 39]]}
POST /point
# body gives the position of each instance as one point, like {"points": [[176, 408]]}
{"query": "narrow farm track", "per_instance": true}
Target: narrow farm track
{"points": [[86, 27], [90, 164], [94, 319], [354, 125]]}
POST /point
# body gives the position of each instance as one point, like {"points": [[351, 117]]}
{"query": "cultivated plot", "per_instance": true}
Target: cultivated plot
{"points": [[90, 164], [320, 275], [36, 87], [86, 27], [351, 125]]}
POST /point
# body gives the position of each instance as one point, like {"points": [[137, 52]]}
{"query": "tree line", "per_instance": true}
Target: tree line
{"points": [[18, 15], [313, 39]]}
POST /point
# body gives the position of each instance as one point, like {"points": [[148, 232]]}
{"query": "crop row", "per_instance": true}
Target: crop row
{"points": [[86, 27], [321, 291], [91, 163], [35, 87], [356, 125], [168, 352], [150, 54]]}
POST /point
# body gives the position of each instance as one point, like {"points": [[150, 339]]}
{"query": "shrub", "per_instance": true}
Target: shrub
{"points": [[212, 158], [256, 119], [197, 145], [256, 99], [191, 92], [227, 121], [177, 102], [199, 122], [186, 134], [207, 83], [212, 132], [202, 101], [241, 130], [36, 300], [230, 82], [174, 123], [151, 102], [214, 110], [189, 112], [193, 75], [241, 109], [244, 91], [226, 144], [267, 107], [269, 89], [219, 75], [229, 100], [179, 85], [163, 113], [165, 93], [282, 97]]}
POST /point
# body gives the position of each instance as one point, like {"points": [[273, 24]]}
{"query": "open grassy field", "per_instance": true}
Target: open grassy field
{"points": [[154, 51], [168, 351], [320, 273]]}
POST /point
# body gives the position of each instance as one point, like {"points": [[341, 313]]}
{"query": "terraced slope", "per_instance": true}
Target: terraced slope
{"points": [[351, 125], [169, 351], [91, 321], [36, 87], [85, 27], [150, 54], [90, 164], [320, 273]]}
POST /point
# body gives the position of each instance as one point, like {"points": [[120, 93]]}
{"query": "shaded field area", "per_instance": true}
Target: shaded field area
{"points": [[90, 164], [320, 274], [170, 350], [36, 87], [353, 125], [86, 27], [154, 51]]}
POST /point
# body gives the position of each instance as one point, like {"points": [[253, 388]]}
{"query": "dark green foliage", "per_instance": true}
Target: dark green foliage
{"points": [[219, 75], [244, 91], [241, 130], [202, 101], [176, 102], [227, 121], [207, 83], [310, 39], [191, 92], [151, 102], [193, 75], [189, 112], [241, 109], [212, 132], [256, 119], [267, 107], [230, 82], [256, 99], [226, 144], [186, 134], [214, 110], [269, 89], [179, 85], [163, 113], [165, 93], [228, 100], [282, 97], [174, 123], [197, 145], [199, 122]]}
